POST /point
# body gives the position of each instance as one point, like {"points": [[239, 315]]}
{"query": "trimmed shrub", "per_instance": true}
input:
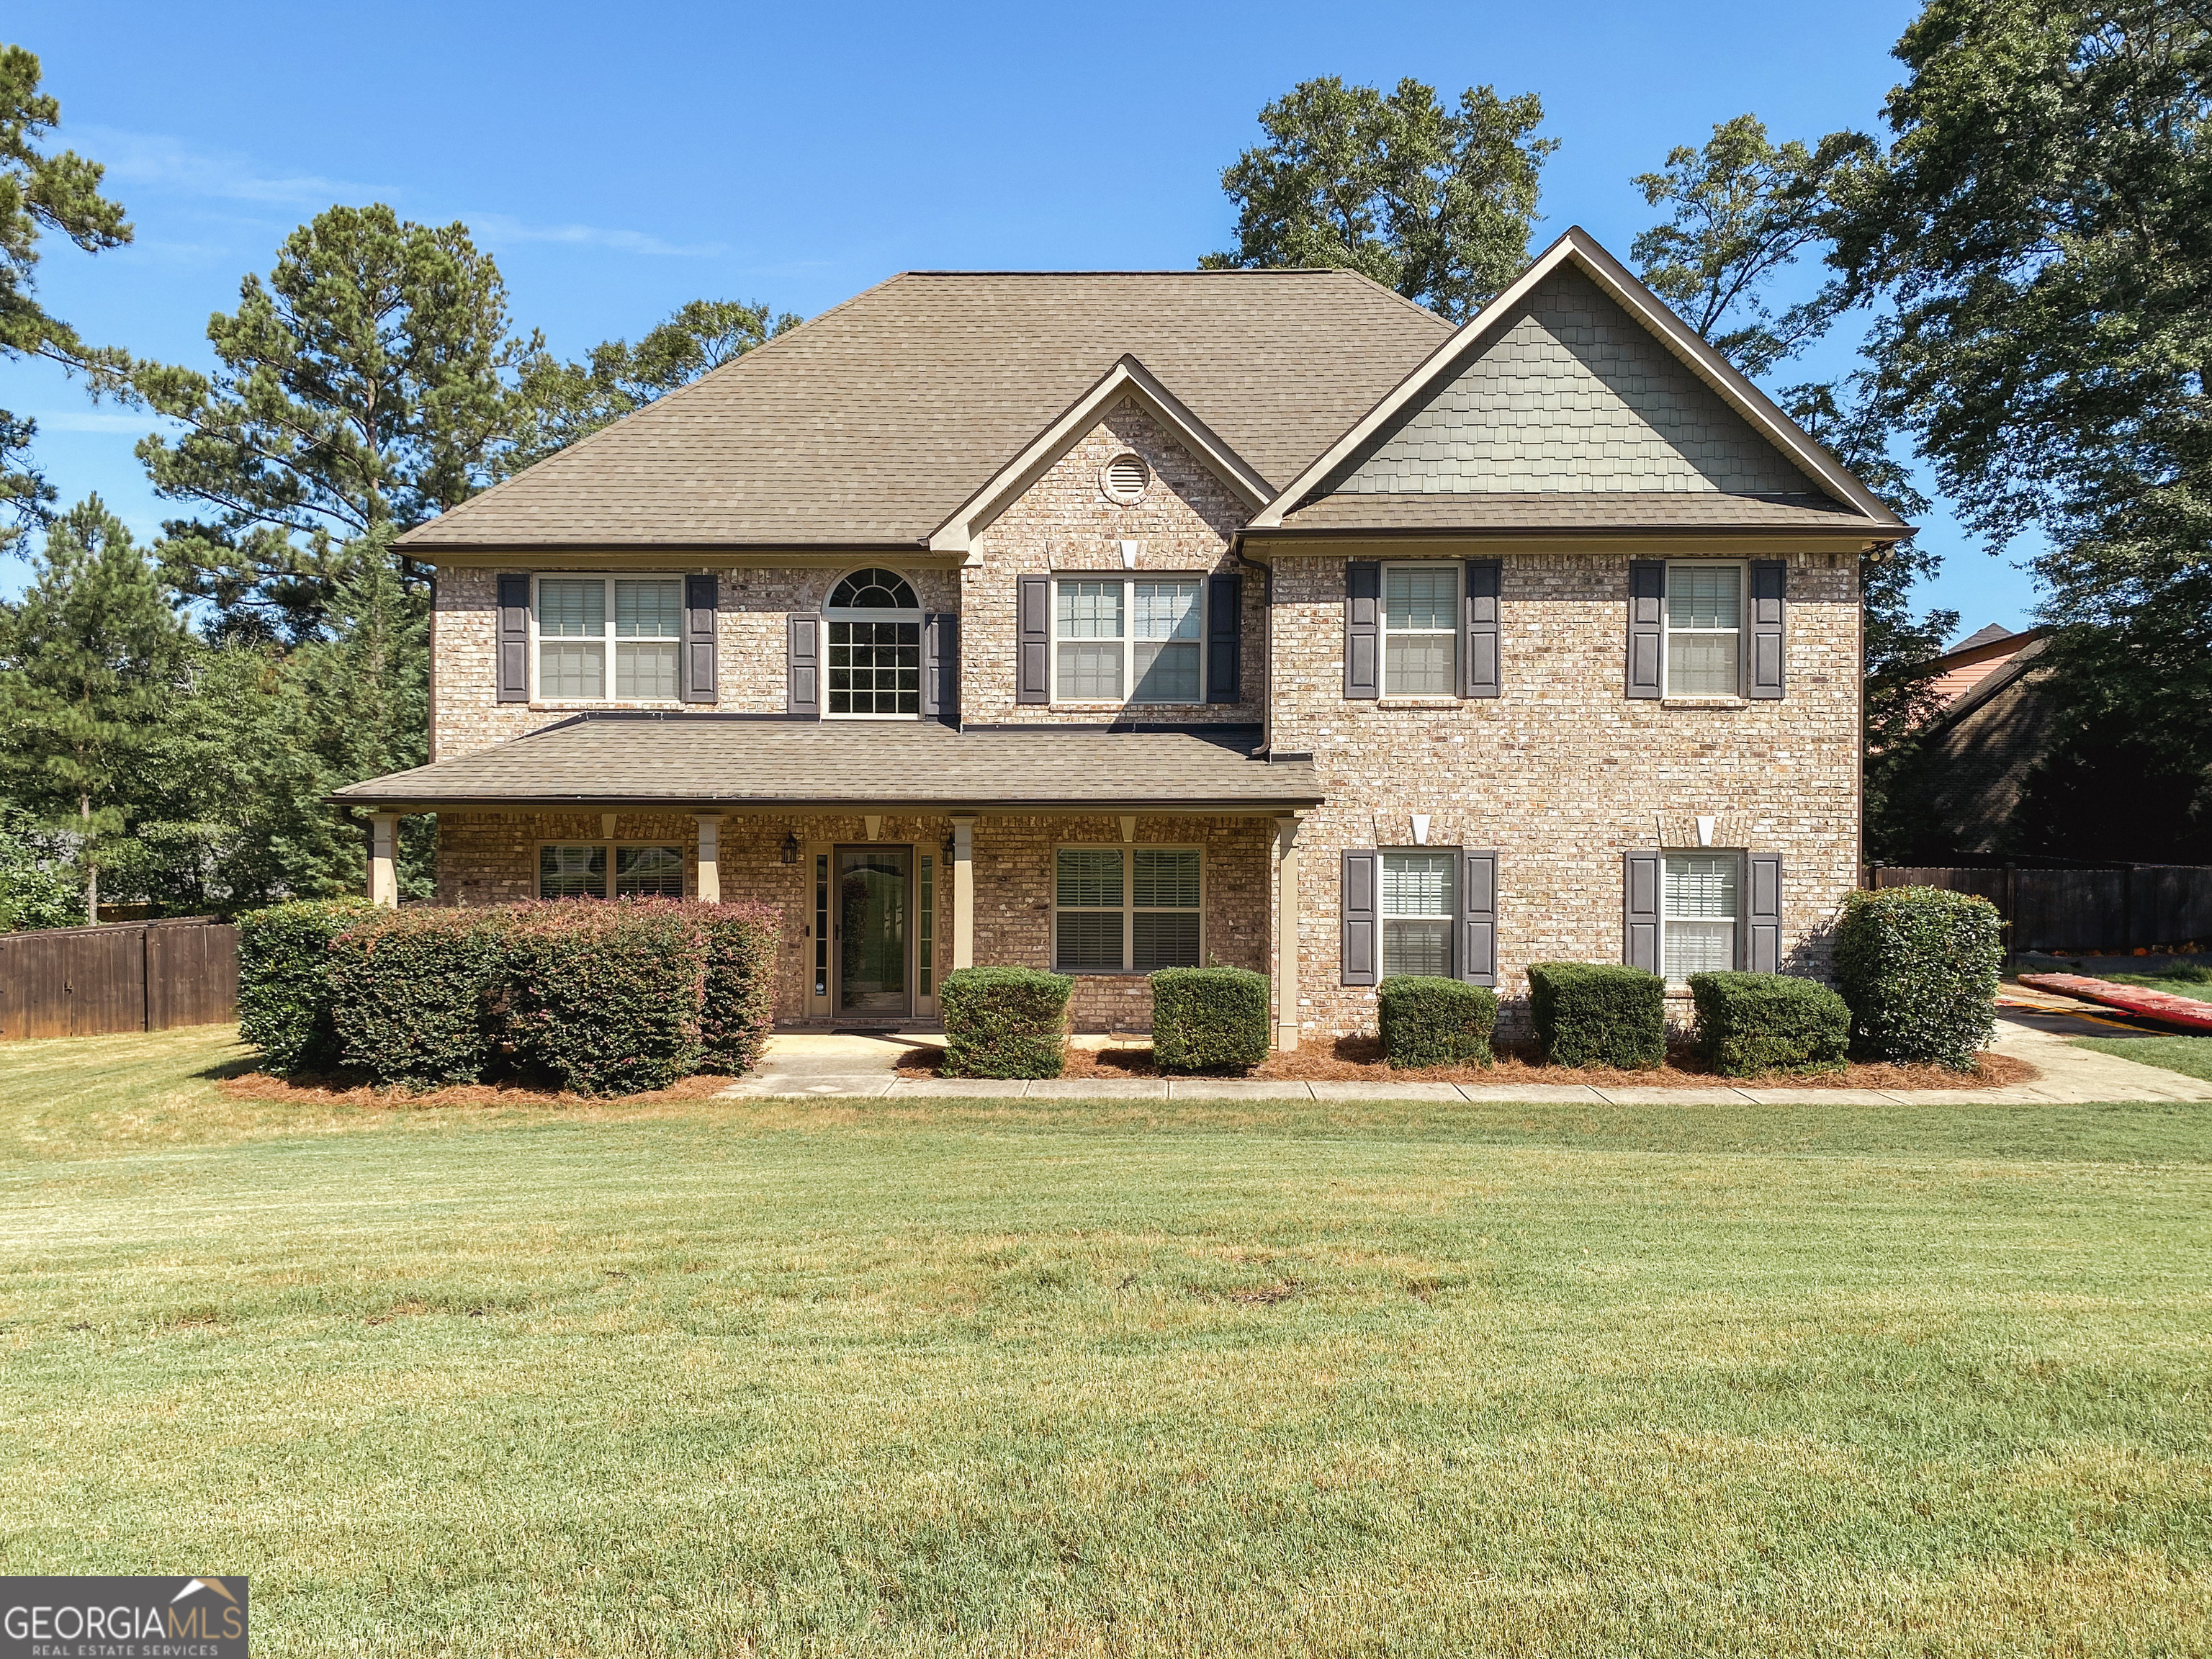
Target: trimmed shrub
{"points": [[1005, 1022], [739, 1010], [607, 996], [1427, 1021], [1598, 1014], [1919, 966], [284, 981], [412, 994], [1748, 1023], [1206, 1019]]}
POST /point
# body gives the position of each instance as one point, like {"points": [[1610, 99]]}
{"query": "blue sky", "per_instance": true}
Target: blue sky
{"points": [[621, 160]]}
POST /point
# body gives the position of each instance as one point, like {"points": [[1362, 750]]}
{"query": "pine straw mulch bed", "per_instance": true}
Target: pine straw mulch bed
{"points": [[1359, 1060], [519, 1091]]}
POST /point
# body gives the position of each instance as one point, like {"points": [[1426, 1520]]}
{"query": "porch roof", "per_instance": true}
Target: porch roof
{"points": [[769, 762]]}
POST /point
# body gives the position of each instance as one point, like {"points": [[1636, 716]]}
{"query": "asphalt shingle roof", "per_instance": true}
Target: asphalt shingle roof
{"points": [[733, 760], [874, 422]]}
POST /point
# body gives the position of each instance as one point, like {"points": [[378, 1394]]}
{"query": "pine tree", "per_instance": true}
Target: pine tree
{"points": [[92, 659]]}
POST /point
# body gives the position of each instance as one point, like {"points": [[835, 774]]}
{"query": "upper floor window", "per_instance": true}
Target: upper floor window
{"points": [[875, 645], [1420, 631], [1133, 640], [582, 621], [1704, 630]]}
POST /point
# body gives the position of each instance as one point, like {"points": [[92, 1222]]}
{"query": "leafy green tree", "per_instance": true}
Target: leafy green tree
{"points": [[92, 659], [2040, 235], [364, 385], [561, 402], [38, 886], [39, 192], [1434, 202], [1743, 210]]}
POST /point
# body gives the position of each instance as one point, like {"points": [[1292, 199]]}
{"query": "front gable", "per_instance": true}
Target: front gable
{"points": [[1575, 400], [1569, 392]]}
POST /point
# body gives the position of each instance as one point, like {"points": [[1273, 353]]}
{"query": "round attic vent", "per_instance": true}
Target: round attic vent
{"points": [[1125, 477]]}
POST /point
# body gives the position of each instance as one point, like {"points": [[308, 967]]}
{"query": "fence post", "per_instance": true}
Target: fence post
{"points": [[2127, 908], [2012, 905]]}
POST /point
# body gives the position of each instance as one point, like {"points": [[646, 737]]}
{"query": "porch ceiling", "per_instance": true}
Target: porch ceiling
{"points": [[767, 763]]}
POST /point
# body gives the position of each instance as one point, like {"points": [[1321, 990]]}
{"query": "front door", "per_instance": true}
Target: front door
{"points": [[870, 930]]}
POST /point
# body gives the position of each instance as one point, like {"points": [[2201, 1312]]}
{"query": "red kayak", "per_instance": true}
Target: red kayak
{"points": [[2139, 1000]]}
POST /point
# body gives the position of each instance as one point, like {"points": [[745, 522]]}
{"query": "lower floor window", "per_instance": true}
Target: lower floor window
{"points": [[1417, 913], [1697, 914], [1126, 909], [598, 870]]}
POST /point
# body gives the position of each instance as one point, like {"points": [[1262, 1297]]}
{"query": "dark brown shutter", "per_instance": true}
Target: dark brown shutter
{"points": [[1362, 944], [513, 639], [940, 668], [1478, 651], [1224, 639], [1363, 629], [802, 692], [1033, 631], [1640, 909], [702, 598], [1762, 933], [1478, 918], [1769, 579], [1647, 641]]}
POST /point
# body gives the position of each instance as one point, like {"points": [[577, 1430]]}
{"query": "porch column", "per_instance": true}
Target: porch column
{"points": [[710, 853], [1286, 933], [963, 892], [383, 872]]}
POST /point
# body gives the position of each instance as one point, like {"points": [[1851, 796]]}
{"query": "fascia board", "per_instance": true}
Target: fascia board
{"points": [[1127, 377], [1579, 245]]}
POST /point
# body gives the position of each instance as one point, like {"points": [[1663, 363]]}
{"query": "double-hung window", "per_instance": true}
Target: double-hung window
{"points": [[584, 621], [1704, 630], [1119, 909], [1420, 631], [1129, 640], [1417, 913], [1699, 913], [609, 870]]}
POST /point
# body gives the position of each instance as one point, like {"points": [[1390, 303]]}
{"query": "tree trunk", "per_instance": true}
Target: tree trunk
{"points": [[91, 867]]}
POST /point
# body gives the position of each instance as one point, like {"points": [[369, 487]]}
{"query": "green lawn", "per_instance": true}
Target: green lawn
{"points": [[2191, 1055], [1023, 1379]]}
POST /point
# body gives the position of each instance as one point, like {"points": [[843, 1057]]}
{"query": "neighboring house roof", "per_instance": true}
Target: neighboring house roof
{"points": [[1979, 752], [706, 759], [876, 422], [1976, 657], [1577, 382]]}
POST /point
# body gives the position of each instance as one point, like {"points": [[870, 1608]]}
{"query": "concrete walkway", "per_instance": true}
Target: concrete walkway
{"points": [[831, 1064]]}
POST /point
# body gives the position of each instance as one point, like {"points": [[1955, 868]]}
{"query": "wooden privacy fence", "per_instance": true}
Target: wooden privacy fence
{"points": [[2119, 909], [124, 977]]}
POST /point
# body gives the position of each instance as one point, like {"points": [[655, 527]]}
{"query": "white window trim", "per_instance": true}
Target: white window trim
{"points": [[538, 847], [917, 618], [1449, 694], [1666, 692], [1129, 641], [1736, 927], [1450, 917], [1129, 906], [608, 577]]}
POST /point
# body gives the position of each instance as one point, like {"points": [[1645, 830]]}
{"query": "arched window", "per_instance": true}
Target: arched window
{"points": [[875, 645]]}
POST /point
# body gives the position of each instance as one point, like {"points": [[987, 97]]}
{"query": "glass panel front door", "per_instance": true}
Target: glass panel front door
{"points": [[871, 929]]}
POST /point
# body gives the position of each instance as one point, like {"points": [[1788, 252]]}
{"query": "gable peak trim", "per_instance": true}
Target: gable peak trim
{"points": [[1576, 246]]}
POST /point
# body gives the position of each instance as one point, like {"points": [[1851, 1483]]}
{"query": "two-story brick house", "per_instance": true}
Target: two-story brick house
{"points": [[1112, 620]]}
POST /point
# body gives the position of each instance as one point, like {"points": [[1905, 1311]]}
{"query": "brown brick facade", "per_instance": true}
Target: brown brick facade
{"points": [[1563, 774]]}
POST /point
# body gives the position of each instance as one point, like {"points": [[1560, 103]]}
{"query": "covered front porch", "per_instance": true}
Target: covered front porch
{"points": [[879, 899]]}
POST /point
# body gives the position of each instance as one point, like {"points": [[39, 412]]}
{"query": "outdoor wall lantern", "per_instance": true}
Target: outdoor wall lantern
{"points": [[791, 850]]}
